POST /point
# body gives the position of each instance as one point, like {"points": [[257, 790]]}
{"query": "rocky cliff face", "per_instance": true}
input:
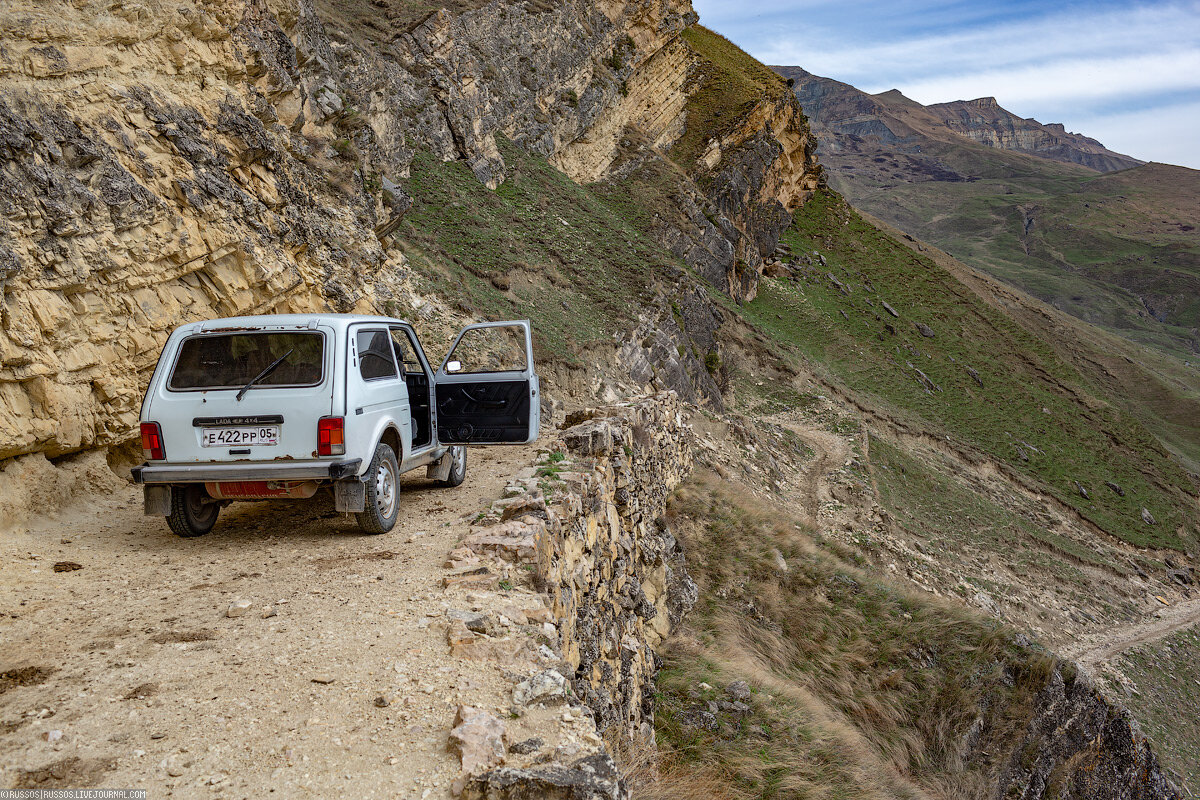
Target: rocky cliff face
{"points": [[616, 577], [152, 175], [749, 154], [984, 121], [174, 161], [1078, 745]]}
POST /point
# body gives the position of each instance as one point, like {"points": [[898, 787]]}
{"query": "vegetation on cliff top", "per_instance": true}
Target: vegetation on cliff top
{"points": [[731, 83]]}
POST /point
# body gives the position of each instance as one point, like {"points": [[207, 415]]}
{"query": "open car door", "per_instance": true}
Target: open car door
{"points": [[487, 389]]}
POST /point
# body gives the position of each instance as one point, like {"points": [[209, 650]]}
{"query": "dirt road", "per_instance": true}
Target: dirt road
{"points": [[128, 672], [1099, 648]]}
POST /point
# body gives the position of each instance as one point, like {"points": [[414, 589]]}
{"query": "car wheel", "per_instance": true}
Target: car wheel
{"points": [[191, 515], [383, 492], [458, 465]]}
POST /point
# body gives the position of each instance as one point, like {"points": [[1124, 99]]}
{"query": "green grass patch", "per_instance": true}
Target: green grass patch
{"points": [[540, 247], [949, 516], [1033, 412]]}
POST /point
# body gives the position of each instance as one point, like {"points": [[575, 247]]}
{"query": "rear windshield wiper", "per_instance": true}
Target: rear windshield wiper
{"points": [[264, 373]]}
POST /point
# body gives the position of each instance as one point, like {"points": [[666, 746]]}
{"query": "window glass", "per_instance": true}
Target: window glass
{"points": [[406, 357], [229, 360], [500, 349], [375, 355]]}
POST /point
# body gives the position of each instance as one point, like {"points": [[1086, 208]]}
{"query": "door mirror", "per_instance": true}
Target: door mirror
{"points": [[453, 366]]}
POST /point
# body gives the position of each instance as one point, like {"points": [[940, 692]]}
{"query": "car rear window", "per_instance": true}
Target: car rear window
{"points": [[231, 360]]}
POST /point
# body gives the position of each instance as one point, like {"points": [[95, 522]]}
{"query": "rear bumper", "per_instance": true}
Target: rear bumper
{"points": [[242, 471]]}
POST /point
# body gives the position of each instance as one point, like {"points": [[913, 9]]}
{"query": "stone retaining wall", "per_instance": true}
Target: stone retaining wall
{"points": [[582, 526], [615, 577]]}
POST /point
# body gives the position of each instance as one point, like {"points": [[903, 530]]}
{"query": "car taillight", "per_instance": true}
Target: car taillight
{"points": [[152, 442], [331, 436]]}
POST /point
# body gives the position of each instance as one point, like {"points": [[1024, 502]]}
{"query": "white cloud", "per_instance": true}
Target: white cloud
{"points": [[1125, 32], [1066, 82], [1166, 134], [1083, 66]]}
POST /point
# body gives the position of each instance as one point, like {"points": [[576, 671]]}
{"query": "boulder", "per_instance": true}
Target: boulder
{"points": [[739, 690], [478, 739], [545, 687]]}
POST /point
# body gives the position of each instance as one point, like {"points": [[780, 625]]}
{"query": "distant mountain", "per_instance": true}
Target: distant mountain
{"points": [[896, 119], [1098, 234]]}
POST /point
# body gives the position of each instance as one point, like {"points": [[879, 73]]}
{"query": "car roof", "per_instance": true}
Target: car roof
{"points": [[284, 321]]}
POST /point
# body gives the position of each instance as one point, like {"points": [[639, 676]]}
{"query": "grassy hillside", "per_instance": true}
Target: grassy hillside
{"points": [[540, 246], [858, 689], [1022, 406], [1116, 250]]}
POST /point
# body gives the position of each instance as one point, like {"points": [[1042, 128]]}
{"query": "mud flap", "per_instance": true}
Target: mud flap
{"points": [[440, 469], [350, 496], [157, 500]]}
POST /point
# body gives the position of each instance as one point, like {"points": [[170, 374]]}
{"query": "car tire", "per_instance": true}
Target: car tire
{"points": [[190, 515], [458, 465], [383, 492]]}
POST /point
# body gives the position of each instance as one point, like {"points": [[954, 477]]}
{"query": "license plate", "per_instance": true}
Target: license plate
{"points": [[240, 437]]}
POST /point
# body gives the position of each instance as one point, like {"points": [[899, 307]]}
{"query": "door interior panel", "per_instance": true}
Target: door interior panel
{"points": [[481, 412]]}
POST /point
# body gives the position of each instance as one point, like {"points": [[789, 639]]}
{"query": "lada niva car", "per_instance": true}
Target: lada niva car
{"points": [[283, 407]]}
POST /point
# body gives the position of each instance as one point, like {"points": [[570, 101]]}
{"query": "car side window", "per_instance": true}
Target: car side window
{"points": [[406, 357], [375, 357]]}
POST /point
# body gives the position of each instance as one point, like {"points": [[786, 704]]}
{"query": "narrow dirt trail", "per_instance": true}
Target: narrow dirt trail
{"points": [[152, 686], [1097, 649], [830, 451]]}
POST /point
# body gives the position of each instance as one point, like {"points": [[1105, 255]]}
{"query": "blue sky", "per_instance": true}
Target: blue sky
{"points": [[1126, 73]]}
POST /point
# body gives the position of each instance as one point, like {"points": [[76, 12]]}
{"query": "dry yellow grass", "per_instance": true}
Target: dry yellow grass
{"points": [[861, 689]]}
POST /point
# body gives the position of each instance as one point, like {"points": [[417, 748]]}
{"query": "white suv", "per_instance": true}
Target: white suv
{"points": [[271, 407]]}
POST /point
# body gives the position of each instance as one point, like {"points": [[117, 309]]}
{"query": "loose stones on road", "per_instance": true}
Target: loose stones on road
{"points": [[238, 608]]}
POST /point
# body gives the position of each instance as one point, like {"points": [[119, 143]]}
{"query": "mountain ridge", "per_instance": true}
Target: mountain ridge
{"points": [[981, 120]]}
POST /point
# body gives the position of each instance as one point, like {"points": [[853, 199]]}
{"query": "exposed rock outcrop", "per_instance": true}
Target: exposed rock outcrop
{"points": [[613, 580], [151, 177], [985, 121], [1079, 746]]}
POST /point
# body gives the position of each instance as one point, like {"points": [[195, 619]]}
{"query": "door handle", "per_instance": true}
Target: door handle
{"points": [[484, 403]]}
